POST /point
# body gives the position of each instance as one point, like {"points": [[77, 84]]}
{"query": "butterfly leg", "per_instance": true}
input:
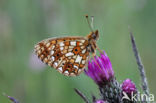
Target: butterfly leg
{"points": [[93, 54], [87, 61], [94, 58], [99, 49]]}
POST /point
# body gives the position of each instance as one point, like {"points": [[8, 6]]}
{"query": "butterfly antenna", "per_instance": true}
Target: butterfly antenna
{"points": [[90, 24], [92, 21]]}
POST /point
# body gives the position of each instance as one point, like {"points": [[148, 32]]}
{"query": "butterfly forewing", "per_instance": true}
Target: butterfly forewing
{"points": [[67, 54]]}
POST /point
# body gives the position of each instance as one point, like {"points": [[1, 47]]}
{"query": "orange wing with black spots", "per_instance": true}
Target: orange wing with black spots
{"points": [[68, 55]]}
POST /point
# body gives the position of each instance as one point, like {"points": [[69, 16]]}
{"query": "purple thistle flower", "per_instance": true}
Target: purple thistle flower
{"points": [[100, 69], [128, 87]]}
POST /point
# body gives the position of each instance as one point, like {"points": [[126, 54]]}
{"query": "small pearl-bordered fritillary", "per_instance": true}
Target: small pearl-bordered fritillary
{"points": [[68, 55]]}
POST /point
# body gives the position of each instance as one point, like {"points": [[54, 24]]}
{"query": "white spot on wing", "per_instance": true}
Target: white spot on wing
{"points": [[82, 47], [82, 41], [37, 47], [61, 48], [48, 44], [83, 61], [69, 57], [73, 43], [72, 74], [69, 54], [80, 70], [42, 48], [42, 56], [74, 56], [66, 72], [78, 59], [49, 63], [71, 46], [83, 51], [75, 67], [53, 47], [52, 58], [60, 69], [61, 44], [45, 60], [52, 52], [70, 49], [39, 52], [56, 64]]}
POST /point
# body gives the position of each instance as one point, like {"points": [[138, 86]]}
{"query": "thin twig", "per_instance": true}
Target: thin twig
{"points": [[140, 66], [81, 95]]}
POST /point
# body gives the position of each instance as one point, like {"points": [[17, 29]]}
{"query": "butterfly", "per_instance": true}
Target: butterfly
{"points": [[68, 55]]}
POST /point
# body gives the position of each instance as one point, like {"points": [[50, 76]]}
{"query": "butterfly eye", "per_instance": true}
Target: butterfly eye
{"points": [[94, 36]]}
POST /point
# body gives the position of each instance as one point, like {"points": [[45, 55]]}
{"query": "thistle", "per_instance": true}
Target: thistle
{"points": [[128, 89], [100, 70]]}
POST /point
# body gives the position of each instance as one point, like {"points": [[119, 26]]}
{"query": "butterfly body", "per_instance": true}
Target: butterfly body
{"points": [[68, 55]]}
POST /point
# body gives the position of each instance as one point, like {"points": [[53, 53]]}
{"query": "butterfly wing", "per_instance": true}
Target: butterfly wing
{"points": [[68, 55]]}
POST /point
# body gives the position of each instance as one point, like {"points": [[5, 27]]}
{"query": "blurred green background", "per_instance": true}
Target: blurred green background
{"points": [[23, 23]]}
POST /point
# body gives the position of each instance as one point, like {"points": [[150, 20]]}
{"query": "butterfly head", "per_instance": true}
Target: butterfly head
{"points": [[93, 35]]}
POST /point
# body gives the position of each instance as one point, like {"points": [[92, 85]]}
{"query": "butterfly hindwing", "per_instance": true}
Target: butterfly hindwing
{"points": [[67, 54]]}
